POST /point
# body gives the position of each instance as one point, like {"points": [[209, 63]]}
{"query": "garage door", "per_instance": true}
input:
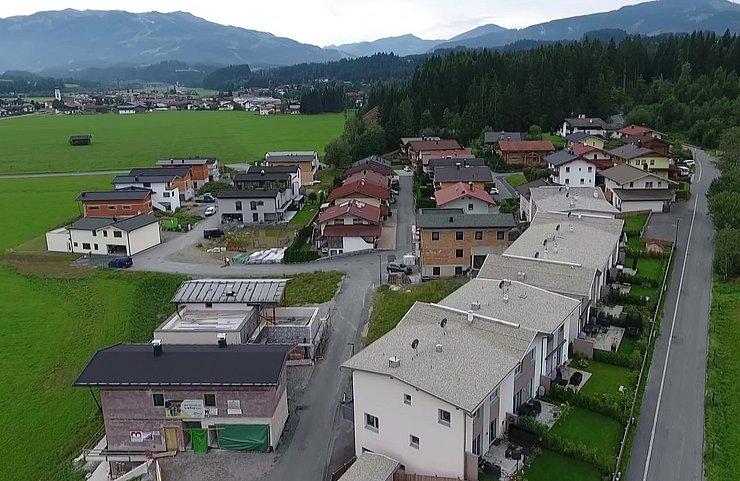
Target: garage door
{"points": [[244, 437]]}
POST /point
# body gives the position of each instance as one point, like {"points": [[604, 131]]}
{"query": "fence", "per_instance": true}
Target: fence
{"points": [[617, 473], [404, 476]]}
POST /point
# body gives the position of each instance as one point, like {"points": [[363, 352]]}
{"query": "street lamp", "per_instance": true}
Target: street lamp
{"points": [[380, 269]]}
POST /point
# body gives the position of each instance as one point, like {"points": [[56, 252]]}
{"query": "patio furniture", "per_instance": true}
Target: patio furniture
{"points": [[525, 410], [561, 382], [576, 378], [536, 407], [492, 470]]}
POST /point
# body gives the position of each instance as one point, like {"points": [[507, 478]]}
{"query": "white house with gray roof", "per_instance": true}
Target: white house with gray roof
{"points": [[435, 391], [106, 235], [576, 200]]}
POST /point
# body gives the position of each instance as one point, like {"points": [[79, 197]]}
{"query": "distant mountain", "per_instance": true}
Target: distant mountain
{"points": [[91, 38], [403, 45], [650, 18], [478, 31]]}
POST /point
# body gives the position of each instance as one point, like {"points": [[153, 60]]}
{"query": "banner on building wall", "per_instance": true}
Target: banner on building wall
{"points": [[141, 436], [184, 409]]}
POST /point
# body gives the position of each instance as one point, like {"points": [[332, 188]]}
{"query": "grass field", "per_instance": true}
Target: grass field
{"points": [[723, 390], [652, 268], [303, 216], [635, 223], [592, 429], [39, 143], [516, 180], [557, 141], [550, 466], [312, 288], [606, 378]]}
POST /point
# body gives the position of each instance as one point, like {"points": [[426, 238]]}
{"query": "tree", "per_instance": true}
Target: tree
{"points": [[727, 253], [639, 116], [535, 132], [338, 153], [723, 207], [729, 148], [371, 141]]}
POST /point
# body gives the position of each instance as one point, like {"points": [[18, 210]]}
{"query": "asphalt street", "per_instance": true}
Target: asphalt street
{"points": [[669, 442], [505, 191]]}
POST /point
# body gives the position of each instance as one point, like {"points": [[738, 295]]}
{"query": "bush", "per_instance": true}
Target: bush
{"points": [[215, 187], [299, 250], [631, 361], [616, 297], [608, 405]]}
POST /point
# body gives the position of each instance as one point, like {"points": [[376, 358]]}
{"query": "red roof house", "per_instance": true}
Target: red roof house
{"points": [[633, 130], [525, 152], [360, 189], [464, 196]]}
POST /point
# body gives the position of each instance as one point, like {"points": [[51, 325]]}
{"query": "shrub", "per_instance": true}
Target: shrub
{"points": [[631, 361], [608, 405], [299, 250]]}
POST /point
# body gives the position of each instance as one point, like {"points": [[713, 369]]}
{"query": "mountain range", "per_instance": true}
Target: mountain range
{"points": [[70, 39]]}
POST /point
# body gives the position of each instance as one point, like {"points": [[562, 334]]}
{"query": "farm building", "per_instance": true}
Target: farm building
{"points": [[75, 140]]}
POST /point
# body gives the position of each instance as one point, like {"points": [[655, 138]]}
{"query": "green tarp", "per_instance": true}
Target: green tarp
{"points": [[244, 437], [199, 438]]}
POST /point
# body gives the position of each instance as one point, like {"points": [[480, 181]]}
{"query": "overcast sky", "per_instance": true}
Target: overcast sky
{"points": [[325, 22]]}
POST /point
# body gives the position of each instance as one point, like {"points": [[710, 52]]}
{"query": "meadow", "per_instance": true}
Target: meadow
{"points": [[39, 143]]}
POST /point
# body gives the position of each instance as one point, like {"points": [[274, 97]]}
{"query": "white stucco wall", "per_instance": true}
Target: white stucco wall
{"points": [[159, 190], [58, 240], [572, 173], [143, 238], [134, 242], [479, 207], [352, 244]]}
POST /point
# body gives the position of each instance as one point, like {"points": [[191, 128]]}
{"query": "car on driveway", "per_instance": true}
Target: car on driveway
{"points": [[212, 233], [210, 211], [121, 263], [493, 191], [689, 162], [396, 267]]}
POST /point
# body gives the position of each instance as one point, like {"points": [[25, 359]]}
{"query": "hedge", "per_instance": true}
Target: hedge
{"points": [[631, 361], [614, 406], [297, 251]]}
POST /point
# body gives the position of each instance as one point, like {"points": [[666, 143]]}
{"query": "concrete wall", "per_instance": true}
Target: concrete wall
{"points": [[583, 346], [479, 207], [134, 241], [352, 244], [637, 206], [58, 240]]}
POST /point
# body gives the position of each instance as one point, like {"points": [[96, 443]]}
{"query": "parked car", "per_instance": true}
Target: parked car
{"points": [[121, 263], [407, 169], [208, 198], [689, 162], [210, 211], [394, 192], [493, 191], [212, 233], [396, 267]]}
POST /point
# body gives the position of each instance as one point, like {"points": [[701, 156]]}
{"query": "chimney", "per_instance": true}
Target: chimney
{"points": [[394, 362], [136, 179], [475, 306], [221, 338], [470, 317], [470, 184], [438, 347], [262, 172], [157, 347], [457, 164]]}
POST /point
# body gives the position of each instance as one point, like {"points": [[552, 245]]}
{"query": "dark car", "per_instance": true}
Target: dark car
{"points": [[121, 263], [212, 233], [396, 267]]}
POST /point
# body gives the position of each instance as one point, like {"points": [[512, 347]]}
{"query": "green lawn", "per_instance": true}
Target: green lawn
{"points": [[326, 177], [723, 390], [312, 288], [628, 345], [606, 378], [550, 466], [39, 143], [389, 306], [635, 223], [635, 243], [652, 268], [304, 216], [592, 429], [651, 292], [516, 180], [557, 141]]}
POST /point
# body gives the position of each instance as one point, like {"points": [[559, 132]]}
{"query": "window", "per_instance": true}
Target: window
{"points": [[660, 184], [493, 395], [479, 235], [444, 417], [458, 252], [458, 270], [209, 400], [435, 235], [95, 246], [166, 194], [414, 441], [567, 181], [147, 184], [209, 304], [158, 400], [579, 169], [95, 233], [632, 184], [567, 170], [75, 244], [111, 207], [652, 161], [233, 406], [105, 233], [117, 233], [476, 445], [407, 399], [590, 169], [93, 207], [435, 271], [86, 245], [126, 207], [371, 422], [518, 370], [470, 206], [238, 205], [583, 181], [500, 235], [648, 185], [459, 235]]}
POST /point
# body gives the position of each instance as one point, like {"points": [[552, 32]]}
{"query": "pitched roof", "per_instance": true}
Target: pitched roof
{"points": [[273, 169], [373, 159], [127, 224], [132, 223], [587, 122], [244, 291], [454, 153], [298, 156], [369, 166], [138, 179], [473, 173], [442, 144], [483, 349], [526, 146], [571, 199], [579, 136], [189, 365], [406, 140], [461, 190], [354, 208], [353, 230], [634, 130], [179, 171], [137, 194], [580, 149], [644, 194], [359, 187], [259, 175], [561, 157], [494, 137], [371, 467], [248, 194], [369, 176], [183, 161], [623, 173], [524, 189], [430, 219], [631, 151], [435, 162]]}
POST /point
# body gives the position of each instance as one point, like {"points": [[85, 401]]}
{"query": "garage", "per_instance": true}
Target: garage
{"points": [[638, 200]]}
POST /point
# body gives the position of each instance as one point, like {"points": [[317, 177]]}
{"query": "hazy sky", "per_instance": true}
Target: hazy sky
{"points": [[324, 22]]}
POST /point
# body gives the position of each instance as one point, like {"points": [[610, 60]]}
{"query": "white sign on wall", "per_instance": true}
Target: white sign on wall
{"points": [[141, 436]]}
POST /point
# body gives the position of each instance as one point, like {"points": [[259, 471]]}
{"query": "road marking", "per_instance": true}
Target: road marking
{"points": [[668, 350], [698, 169]]}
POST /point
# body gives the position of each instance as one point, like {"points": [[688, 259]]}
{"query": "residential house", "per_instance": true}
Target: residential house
{"points": [[576, 200], [253, 206], [417, 147], [593, 155], [568, 168], [435, 162], [583, 138], [493, 138], [527, 152], [106, 235], [75, 140], [285, 179], [180, 177], [481, 176], [158, 397], [116, 203], [631, 189], [642, 158], [366, 192], [403, 146], [128, 109], [202, 170], [466, 197], [452, 242], [634, 131], [369, 166], [655, 144], [499, 340], [589, 125], [165, 195], [307, 161], [369, 176], [293, 170], [460, 154], [350, 227], [371, 467]]}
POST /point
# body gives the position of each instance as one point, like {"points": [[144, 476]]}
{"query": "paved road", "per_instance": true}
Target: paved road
{"points": [[669, 445], [505, 191], [64, 174], [321, 441]]}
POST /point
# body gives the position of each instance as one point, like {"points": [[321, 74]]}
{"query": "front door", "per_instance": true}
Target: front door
{"points": [[170, 439]]}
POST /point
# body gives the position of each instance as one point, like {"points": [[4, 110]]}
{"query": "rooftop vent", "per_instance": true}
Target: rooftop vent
{"points": [[521, 276], [438, 347], [570, 227], [475, 306], [221, 338], [506, 297], [157, 347], [262, 172], [452, 219], [470, 317]]}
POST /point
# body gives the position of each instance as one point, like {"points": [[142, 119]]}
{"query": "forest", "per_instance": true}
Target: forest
{"points": [[682, 84]]}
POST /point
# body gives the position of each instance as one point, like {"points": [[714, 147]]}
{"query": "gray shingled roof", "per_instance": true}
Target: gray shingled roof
{"points": [[134, 179], [189, 365], [494, 137], [274, 169], [572, 199], [644, 194], [135, 194], [588, 122], [255, 176], [476, 173], [90, 223], [564, 279], [631, 151], [623, 173], [248, 194], [431, 219], [560, 157], [247, 291], [300, 156], [155, 171], [371, 467], [183, 161], [470, 353], [530, 307], [524, 189], [126, 224], [590, 243], [135, 222]]}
